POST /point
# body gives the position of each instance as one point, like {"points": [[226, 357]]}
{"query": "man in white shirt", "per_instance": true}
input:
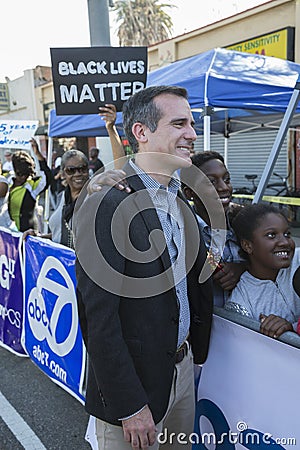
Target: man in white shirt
{"points": [[7, 165]]}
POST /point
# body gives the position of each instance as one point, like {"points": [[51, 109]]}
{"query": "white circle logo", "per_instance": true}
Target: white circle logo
{"points": [[43, 325]]}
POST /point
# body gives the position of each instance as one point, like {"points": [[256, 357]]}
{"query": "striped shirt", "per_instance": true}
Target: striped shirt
{"points": [[171, 220]]}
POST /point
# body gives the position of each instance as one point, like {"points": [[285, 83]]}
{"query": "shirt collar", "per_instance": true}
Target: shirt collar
{"points": [[152, 185]]}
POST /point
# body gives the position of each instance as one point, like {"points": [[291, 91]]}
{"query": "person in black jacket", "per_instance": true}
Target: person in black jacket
{"points": [[94, 162], [144, 314]]}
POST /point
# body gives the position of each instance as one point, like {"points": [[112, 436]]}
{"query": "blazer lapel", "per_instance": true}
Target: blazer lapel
{"points": [[149, 215]]}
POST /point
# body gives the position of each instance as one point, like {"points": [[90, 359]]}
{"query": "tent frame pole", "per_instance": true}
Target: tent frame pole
{"points": [[206, 113], [269, 167], [226, 137]]}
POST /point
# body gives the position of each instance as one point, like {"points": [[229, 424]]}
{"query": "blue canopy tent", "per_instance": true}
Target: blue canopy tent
{"points": [[228, 91]]}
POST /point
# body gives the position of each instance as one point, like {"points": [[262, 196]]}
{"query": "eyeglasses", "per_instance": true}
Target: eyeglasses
{"points": [[72, 170]]}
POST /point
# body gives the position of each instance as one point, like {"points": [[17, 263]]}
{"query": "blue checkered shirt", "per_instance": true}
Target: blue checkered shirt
{"points": [[171, 219]]}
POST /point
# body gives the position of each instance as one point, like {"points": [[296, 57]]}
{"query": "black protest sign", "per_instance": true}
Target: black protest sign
{"points": [[86, 78]]}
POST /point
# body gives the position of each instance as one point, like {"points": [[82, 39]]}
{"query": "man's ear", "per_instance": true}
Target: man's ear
{"points": [[247, 246], [138, 131]]}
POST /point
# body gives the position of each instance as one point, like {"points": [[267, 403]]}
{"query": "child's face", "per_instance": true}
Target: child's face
{"points": [[271, 248], [219, 176]]}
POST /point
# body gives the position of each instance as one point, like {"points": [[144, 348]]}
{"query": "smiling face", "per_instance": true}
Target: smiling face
{"points": [[271, 247], [169, 146], [76, 173], [219, 184], [219, 177]]}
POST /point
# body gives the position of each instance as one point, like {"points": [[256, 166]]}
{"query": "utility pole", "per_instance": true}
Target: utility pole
{"points": [[99, 22]]}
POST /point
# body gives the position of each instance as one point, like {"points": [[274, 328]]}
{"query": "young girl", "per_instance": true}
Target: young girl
{"points": [[265, 290]]}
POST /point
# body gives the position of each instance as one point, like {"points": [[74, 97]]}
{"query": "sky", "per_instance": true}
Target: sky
{"points": [[29, 28]]}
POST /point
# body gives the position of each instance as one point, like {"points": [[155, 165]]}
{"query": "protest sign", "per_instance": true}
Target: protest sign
{"points": [[11, 292], [17, 133], [86, 78], [51, 332]]}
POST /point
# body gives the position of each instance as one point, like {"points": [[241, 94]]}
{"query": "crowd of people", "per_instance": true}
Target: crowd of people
{"points": [[144, 315]]}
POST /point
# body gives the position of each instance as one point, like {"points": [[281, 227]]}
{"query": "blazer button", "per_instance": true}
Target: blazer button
{"points": [[175, 320]]}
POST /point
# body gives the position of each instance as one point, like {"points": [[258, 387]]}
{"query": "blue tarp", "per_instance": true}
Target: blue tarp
{"points": [[251, 87]]}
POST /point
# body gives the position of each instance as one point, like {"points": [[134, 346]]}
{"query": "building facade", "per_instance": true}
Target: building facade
{"points": [[271, 29], [252, 24]]}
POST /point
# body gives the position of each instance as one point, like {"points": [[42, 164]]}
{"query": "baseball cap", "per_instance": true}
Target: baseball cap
{"points": [[7, 152]]}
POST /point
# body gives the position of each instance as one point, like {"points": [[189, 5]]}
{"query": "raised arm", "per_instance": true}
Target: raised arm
{"points": [[109, 114], [43, 165]]}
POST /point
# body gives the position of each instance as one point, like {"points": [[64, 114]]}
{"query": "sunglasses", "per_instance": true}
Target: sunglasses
{"points": [[72, 170]]}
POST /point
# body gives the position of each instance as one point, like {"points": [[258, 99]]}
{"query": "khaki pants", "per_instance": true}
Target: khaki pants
{"points": [[177, 425]]}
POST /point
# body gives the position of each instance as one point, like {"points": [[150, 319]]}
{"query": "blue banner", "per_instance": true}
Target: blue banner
{"points": [[51, 333], [11, 292]]}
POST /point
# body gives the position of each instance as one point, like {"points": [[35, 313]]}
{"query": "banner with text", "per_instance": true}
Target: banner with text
{"points": [[17, 133], [279, 44], [86, 78], [248, 391], [51, 332], [11, 292]]}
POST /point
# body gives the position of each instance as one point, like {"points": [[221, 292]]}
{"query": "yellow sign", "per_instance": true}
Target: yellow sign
{"points": [[276, 44]]}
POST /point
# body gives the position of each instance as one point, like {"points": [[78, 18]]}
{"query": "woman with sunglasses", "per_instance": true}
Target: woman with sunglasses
{"points": [[75, 170], [26, 187]]}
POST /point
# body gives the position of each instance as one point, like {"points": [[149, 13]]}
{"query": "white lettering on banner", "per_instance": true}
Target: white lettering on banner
{"points": [[68, 96], [72, 94], [43, 359], [93, 67], [127, 67], [17, 133], [8, 128], [42, 326], [14, 317], [7, 271], [86, 94]]}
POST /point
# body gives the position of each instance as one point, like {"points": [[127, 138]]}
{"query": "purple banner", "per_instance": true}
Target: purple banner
{"points": [[11, 292]]}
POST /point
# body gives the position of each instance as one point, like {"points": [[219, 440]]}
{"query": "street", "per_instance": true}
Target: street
{"points": [[55, 420]]}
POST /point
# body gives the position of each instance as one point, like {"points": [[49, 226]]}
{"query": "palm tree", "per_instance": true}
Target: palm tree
{"points": [[142, 22]]}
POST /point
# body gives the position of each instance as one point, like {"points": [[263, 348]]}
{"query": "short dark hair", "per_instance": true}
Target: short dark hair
{"points": [[140, 107], [74, 153], [202, 157], [95, 149], [250, 217], [23, 163], [198, 159]]}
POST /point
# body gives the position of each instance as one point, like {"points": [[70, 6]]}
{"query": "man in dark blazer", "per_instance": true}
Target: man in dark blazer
{"points": [[144, 314]]}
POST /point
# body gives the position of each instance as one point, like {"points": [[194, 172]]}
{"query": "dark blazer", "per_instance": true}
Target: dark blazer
{"points": [[131, 338]]}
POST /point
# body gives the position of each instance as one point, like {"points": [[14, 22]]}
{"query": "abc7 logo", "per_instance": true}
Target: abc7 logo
{"points": [[44, 326], [109, 224]]}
